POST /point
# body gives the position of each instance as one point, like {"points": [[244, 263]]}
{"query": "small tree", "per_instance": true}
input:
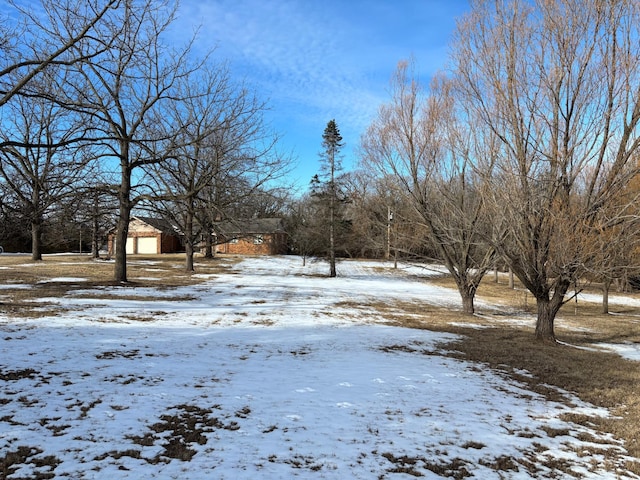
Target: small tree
{"points": [[368, 211], [416, 143], [93, 207], [302, 227]]}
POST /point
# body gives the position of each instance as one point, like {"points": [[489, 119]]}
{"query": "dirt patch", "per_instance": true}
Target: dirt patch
{"points": [[11, 375], [42, 467], [113, 354], [455, 468], [180, 431], [298, 462]]}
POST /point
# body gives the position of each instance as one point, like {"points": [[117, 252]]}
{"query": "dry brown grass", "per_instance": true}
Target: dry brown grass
{"points": [[601, 378], [575, 365], [56, 276], [21, 269]]}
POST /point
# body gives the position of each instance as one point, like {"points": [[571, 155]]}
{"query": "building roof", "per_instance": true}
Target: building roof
{"points": [[249, 226], [161, 224]]}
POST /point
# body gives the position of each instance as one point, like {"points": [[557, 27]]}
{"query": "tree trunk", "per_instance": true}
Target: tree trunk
{"points": [[332, 247], [36, 240], [467, 304], [208, 243], [544, 324], [547, 311], [387, 254], [332, 264], [95, 241], [188, 243], [605, 295], [188, 247], [122, 232], [467, 293]]}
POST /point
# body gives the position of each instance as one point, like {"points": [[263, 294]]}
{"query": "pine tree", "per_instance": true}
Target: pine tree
{"points": [[331, 165]]}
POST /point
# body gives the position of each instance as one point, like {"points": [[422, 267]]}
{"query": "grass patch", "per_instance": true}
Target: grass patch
{"points": [[24, 283], [601, 378], [188, 425]]}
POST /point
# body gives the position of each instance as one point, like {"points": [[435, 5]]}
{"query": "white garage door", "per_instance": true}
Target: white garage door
{"points": [[147, 245], [129, 246]]}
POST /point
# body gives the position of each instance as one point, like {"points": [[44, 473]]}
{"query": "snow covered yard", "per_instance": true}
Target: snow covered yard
{"points": [[271, 371]]}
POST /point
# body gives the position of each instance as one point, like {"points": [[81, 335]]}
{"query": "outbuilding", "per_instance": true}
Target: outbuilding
{"points": [[255, 236], [149, 236]]}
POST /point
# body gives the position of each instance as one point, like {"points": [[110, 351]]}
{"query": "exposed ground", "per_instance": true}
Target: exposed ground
{"points": [[145, 377]]}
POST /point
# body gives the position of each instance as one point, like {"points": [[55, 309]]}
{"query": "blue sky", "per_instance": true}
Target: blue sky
{"points": [[317, 60]]}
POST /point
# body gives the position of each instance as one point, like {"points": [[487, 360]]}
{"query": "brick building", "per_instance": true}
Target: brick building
{"points": [[256, 236]]}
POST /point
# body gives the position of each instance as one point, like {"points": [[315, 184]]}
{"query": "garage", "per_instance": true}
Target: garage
{"points": [[147, 245], [148, 236], [142, 245]]}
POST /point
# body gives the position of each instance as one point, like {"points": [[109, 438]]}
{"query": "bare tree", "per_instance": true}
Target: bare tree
{"points": [[37, 163], [378, 222], [179, 182], [15, 233], [303, 228], [557, 81], [246, 164], [36, 43], [416, 141], [123, 92], [39, 41], [94, 209], [615, 241], [216, 149], [368, 212]]}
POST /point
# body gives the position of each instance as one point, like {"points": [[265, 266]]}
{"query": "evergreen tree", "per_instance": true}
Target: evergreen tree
{"points": [[326, 185]]}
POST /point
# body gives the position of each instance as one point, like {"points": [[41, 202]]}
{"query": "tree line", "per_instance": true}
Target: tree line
{"points": [[102, 114], [524, 154]]}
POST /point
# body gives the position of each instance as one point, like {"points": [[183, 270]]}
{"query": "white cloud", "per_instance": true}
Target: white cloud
{"points": [[297, 53], [317, 61]]}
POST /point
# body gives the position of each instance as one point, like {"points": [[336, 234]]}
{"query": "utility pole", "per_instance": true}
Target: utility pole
{"points": [[389, 218], [389, 232]]}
